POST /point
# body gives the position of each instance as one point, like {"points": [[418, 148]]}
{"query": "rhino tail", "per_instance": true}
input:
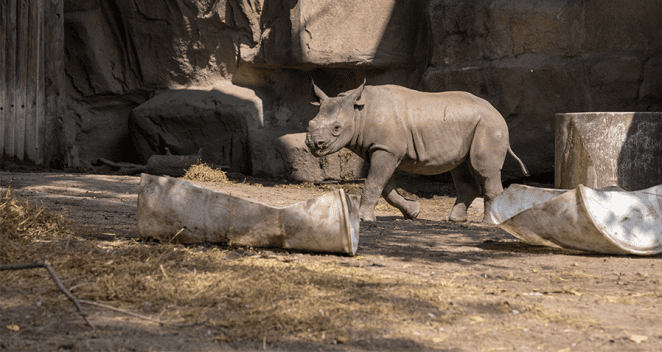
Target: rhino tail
{"points": [[521, 164]]}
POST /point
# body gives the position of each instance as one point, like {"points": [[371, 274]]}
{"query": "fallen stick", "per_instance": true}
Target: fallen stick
{"points": [[58, 283], [143, 317]]}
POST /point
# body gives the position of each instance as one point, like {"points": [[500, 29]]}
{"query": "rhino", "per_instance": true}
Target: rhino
{"points": [[395, 128]]}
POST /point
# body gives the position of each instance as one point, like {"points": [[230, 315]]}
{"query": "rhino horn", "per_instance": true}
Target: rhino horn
{"points": [[316, 94]]}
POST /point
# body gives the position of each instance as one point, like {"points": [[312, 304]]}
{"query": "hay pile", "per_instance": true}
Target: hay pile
{"points": [[205, 173]]}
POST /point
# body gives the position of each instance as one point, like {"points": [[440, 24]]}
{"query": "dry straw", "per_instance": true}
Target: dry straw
{"points": [[237, 292]]}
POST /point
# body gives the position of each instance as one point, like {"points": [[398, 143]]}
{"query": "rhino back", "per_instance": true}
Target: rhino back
{"points": [[430, 133]]}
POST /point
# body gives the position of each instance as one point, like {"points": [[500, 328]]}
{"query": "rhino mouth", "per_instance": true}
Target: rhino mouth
{"points": [[319, 151]]}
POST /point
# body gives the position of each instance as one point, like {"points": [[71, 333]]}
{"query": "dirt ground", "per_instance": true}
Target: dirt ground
{"points": [[504, 295]]}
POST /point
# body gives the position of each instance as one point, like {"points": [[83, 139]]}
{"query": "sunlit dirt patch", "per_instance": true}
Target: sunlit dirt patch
{"points": [[244, 294], [423, 284]]}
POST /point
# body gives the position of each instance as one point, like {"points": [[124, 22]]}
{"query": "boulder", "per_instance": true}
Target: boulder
{"points": [[118, 52], [218, 120], [302, 166]]}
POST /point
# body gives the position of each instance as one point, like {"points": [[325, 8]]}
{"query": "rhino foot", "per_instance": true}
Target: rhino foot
{"points": [[449, 218], [367, 216], [413, 212], [454, 217], [458, 213]]}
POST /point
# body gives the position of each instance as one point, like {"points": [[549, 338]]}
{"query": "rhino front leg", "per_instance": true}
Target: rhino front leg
{"points": [[409, 208], [467, 188], [382, 166]]}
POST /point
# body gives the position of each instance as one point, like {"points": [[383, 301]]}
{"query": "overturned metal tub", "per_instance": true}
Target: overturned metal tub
{"points": [[606, 220], [171, 208]]}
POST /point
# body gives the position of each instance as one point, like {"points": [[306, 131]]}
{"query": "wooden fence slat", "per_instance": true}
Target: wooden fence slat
{"points": [[10, 113], [41, 85], [32, 78], [22, 45], [4, 9], [54, 75]]}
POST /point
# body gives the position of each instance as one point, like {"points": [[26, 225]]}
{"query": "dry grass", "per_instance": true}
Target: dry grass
{"points": [[22, 222], [243, 293]]}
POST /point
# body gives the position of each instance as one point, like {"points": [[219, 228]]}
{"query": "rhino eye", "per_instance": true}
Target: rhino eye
{"points": [[336, 129]]}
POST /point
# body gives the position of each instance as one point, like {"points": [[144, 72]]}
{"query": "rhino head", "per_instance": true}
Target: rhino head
{"points": [[333, 127]]}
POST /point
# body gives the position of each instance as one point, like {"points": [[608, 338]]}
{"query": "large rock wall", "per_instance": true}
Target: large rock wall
{"points": [[531, 59]]}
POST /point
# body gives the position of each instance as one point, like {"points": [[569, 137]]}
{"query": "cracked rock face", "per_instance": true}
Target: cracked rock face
{"points": [[532, 60], [529, 59]]}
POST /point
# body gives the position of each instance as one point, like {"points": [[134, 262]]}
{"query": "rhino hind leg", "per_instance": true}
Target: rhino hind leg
{"points": [[487, 154], [467, 188], [409, 208], [493, 187]]}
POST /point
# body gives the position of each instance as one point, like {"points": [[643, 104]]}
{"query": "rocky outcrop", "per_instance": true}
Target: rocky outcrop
{"points": [[118, 52], [162, 58]]}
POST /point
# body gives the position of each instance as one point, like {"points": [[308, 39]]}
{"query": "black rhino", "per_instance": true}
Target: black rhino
{"points": [[396, 128]]}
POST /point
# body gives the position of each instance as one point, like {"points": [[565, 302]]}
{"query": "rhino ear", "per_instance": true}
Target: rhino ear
{"points": [[316, 94], [357, 95]]}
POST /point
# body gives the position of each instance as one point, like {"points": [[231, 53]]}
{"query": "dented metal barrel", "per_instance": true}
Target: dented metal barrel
{"points": [[606, 220], [171, 208]]}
